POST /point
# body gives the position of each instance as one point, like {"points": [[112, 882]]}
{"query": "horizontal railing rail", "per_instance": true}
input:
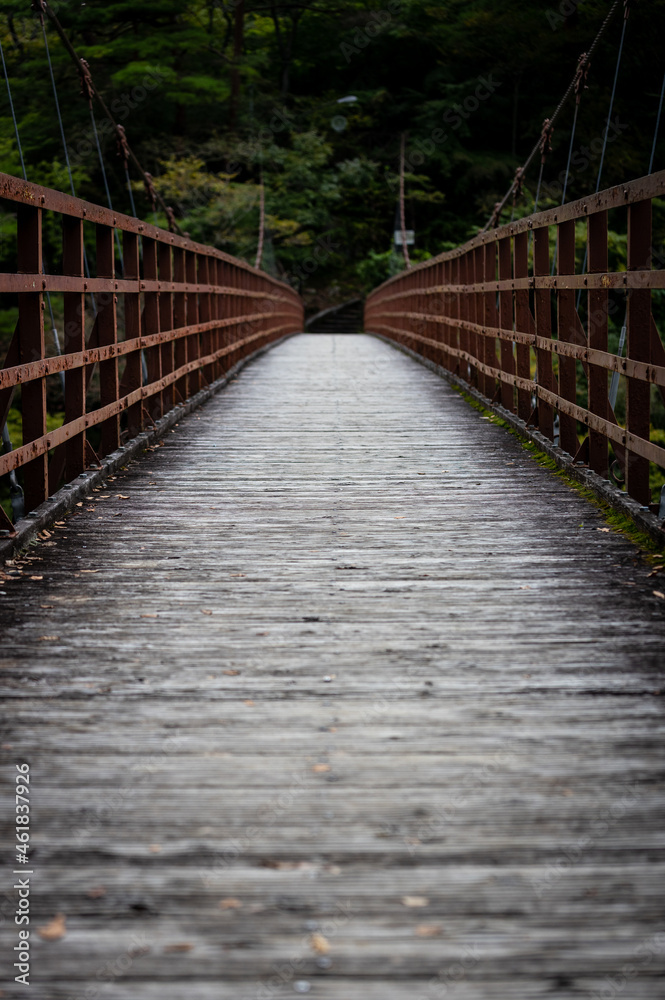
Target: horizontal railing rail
{"points": [[500, 312], [177, 317]]}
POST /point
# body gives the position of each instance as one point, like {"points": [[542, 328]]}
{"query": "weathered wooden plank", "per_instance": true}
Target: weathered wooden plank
{"points": [[338, 644]]}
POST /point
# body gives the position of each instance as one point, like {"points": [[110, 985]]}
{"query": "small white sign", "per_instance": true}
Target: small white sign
{"points": [[410, 237]]}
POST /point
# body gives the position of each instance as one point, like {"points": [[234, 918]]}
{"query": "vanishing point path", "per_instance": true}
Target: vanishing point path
{"points": [[337, 692]]}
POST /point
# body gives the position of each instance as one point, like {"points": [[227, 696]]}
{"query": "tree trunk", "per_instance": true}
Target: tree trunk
{"points": [[238, 38]]}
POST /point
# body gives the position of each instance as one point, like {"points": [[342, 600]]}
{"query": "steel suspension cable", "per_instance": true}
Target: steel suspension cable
{"points": [[62, 134], [655, 135], [57, 107], [571, 86], [614, 90], [87, 90], [11, 107], [607, 128], [79, 64]]}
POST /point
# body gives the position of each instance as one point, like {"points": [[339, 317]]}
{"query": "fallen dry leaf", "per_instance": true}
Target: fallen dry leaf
{"points": [[180, 946], [206, 611], [231, 673], [36, 577], [402, 517], [428, 930], [659, 593], [149, 616], [230, 904], [249, 703], [602, 529], [415, 901], [155, 848], [89, 571], [54, 930], [46, 606], [321, 768], [319, 944], [48, 638]]}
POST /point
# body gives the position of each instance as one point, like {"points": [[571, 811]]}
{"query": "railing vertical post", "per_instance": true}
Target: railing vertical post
{"points": [[566, 330], [166, 318], [478, 315], [544, 368], [491, 318], [32, 348], [506, 323], [107, 326], [216, 270], [180, 319], [151, 323], [523, 322], [205, 314], [131, 379], [638, 395], [74, 341], [456, 311], [597, 338], [194, 381]]}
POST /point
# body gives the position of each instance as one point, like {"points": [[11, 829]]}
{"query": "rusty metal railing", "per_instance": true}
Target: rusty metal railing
{"points": [[178, 317], [499, 314]]}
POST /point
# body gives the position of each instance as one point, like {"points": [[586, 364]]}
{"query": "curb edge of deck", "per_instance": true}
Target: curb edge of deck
{"points": [[602, 488], [62, 501]]}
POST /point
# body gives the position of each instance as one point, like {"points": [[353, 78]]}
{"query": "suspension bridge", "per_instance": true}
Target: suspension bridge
{"points": [[318, 681]]}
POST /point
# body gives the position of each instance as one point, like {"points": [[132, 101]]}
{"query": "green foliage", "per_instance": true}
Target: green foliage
{"points": [[468, 81]]}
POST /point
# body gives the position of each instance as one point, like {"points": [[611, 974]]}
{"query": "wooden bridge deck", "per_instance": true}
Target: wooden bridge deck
{"points": [[337, 692]]}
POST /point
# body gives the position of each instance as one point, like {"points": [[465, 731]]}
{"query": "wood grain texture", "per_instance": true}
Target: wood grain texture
{"points": [[338, 659]]}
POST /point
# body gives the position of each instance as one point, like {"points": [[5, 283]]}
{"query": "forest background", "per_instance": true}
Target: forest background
{"points": [[313, 96]]}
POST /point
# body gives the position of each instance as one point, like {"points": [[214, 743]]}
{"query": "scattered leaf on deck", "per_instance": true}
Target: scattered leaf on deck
{"points": [[206, 611], [230, 903], [659, 593], [36, 577], [179, 946], [48, 638], [54, 930], [231, 673], [321, 768], [249, 703], [319, 944], [155, 848], [428, 930], [415, 901]]}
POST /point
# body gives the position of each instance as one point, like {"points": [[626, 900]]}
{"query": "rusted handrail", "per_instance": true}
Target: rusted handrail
{"points": [[493, 312], [192, 310]]}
